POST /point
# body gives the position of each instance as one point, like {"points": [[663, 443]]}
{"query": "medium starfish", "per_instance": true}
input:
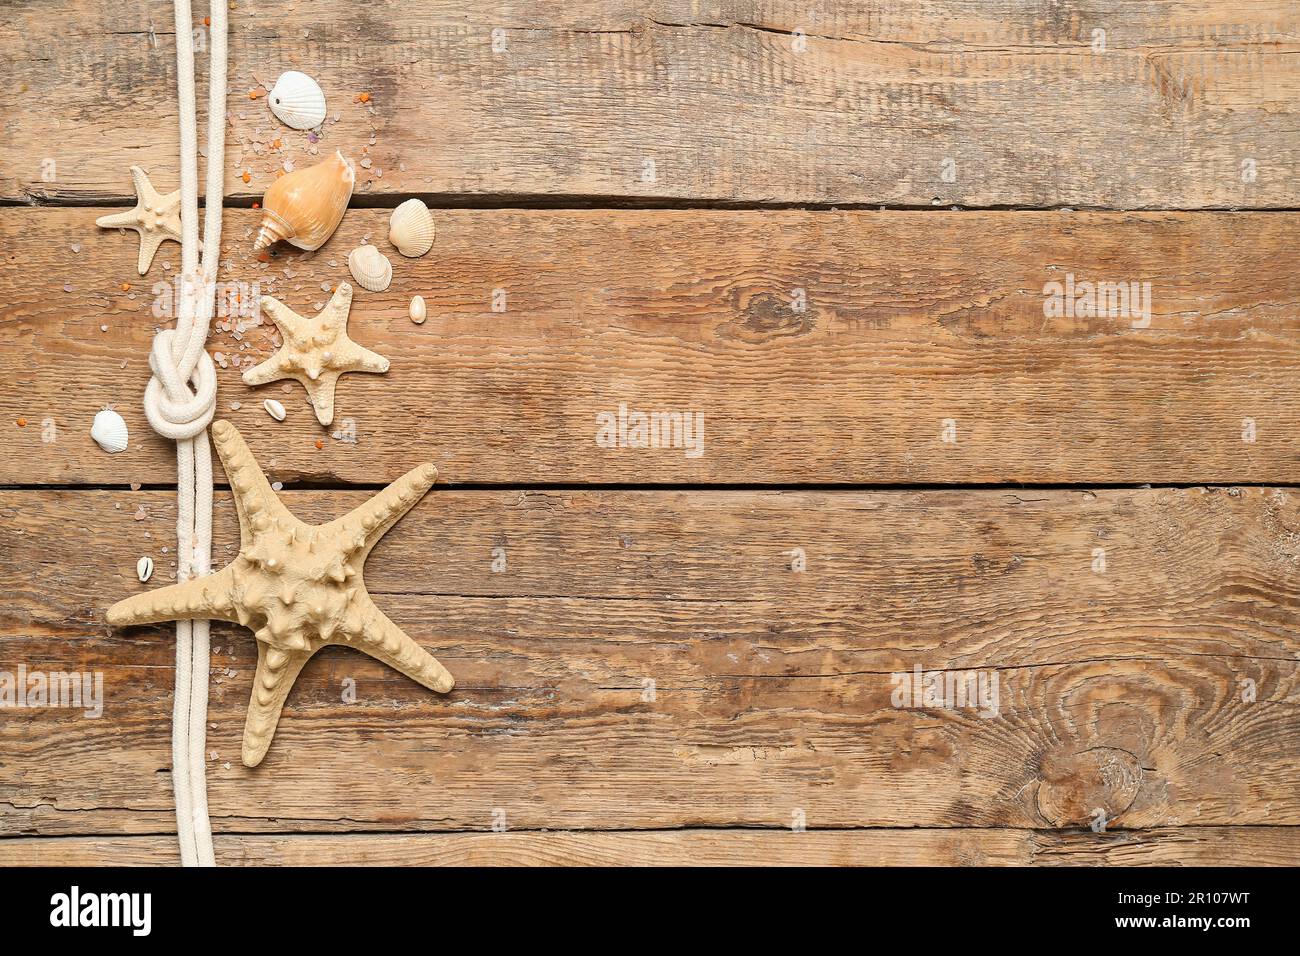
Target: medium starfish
{"points": [[316, 351], [297, 586], [157, 218]]}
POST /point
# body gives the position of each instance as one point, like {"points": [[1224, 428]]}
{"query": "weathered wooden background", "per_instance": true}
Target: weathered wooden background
{"points": [[828, 230]]}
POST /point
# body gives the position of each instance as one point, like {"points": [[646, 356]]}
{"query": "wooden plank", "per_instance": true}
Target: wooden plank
{"points": [[745, 101], [1166, 846], [912, 320], [1125, 691]]}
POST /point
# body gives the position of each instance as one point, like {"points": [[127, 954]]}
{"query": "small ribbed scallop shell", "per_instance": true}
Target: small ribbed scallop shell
{"points": [[297, 101], [370, 268], [109, 431], [417, 310], [410, 228]]}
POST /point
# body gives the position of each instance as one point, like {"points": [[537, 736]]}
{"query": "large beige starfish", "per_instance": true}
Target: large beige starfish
{"points": [[297, 586], [157, 218], [316, 351]]}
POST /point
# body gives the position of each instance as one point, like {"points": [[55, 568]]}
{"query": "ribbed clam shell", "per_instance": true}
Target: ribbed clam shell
{"points": [[297, 101], [109, 431], [410, 228], [370, 268]]}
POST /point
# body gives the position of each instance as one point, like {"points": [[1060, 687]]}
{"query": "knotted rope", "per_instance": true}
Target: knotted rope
{"points": [[181, 413]]}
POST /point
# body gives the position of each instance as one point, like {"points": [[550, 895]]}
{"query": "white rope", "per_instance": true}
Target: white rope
{"points": [[178, 361]]}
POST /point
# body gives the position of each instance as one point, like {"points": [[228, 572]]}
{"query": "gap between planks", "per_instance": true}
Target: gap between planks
{"points": [[702, 488], [719, 828], [544, 203]]}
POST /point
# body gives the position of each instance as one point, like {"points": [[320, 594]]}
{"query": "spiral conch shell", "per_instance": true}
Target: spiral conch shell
{"points": [[370, 268], [410, 228], [305, 206], [297, 100]]}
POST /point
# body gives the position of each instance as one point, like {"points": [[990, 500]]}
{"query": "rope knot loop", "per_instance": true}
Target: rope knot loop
{"points": [[173, 409]]}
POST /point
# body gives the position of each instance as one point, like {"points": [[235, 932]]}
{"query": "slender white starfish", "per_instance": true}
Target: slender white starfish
{"points": [[297, 586], [156, 217], [316, 351]]}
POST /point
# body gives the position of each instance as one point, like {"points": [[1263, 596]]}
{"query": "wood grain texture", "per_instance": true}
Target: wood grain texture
{"points": [[1123, 691], [725, 98], [648, 679], [911, 319], [1168, 846]]}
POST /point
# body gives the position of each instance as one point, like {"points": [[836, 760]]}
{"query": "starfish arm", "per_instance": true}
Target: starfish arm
{"points": [[144, 190], [371, 631], [276, 672], [340, 304], [149, 243], [357, 358], [372, 520], [289, 321], [254, 497], [205, 598], [321, 390], [119, 220], [171, 201], [272, 370]]}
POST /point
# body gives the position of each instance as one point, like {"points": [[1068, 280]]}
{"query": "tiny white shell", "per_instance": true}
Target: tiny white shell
{"points": [[417, 310], [109, 431], [274, 409], [370, 268], [410, 228], [297, 101], [144, 568]]}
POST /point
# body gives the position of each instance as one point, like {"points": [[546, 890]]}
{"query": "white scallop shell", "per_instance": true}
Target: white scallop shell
{"points": [[144, 568], [274, 409], [417, 310], [370, 268], [297, 101], [410, 228], [109, 431]]}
